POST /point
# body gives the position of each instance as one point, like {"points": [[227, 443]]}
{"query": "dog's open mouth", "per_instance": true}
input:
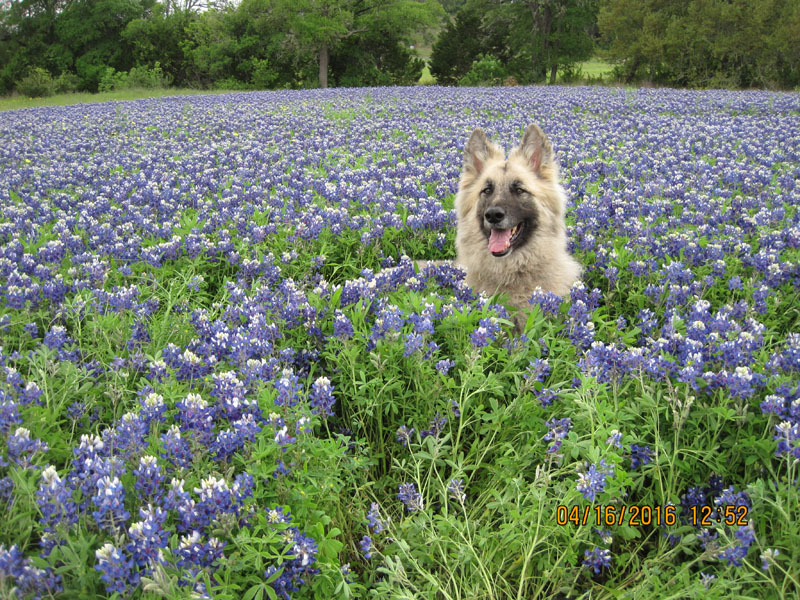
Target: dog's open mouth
{"points": [[501, 240]]}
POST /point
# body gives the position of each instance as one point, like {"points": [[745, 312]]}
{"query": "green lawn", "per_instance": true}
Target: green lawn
{"points": [[590, 68], [596, 67], [15, 102]]}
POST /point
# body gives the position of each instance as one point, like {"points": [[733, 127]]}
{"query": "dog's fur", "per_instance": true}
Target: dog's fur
{"points": [[500, 194]]}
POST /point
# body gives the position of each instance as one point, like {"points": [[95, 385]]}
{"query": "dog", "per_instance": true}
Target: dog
{"points": [[510, 236]]}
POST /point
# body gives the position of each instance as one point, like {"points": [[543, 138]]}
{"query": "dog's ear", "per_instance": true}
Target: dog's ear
{"points": [[478, 152], [535, 148]]}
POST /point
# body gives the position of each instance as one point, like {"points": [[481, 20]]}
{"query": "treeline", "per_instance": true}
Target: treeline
{"points": [[683, 43], [252, 44], [704, 43], [51, 46]]}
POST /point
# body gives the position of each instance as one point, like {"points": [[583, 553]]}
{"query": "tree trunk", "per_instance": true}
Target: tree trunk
{"points": [[323, 65], [553, 70]]}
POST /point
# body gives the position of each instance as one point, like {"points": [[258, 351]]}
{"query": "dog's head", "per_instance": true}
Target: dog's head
{"points": [[512, 200]]}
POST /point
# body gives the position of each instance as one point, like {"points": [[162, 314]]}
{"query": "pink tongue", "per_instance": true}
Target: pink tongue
{"points": [[498, 239]]}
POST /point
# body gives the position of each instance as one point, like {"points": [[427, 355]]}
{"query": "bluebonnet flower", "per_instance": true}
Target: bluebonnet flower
{"points": [[21, 447], [592, 480], [735, 553], [640, 455], [485, 333], [54, 499], [342, 327], [605, 535], [538, 370], [148, 537], [557, 430], [404, 435], [194, 414], [192, 551], [707, 579], [149, 478], [455, 488], [278, 515], [176, 449], [547, 301], [436, 426], [116, 568], [7, 493], [546, 396], [226, 444], [288, 388], [768, 558], [296, 570], [455, 408], [375, 522], [409, 496], [321, 397], [153, 408], [366, 546], [444, 366], [110, 502], [597, 558], [615, 439]]}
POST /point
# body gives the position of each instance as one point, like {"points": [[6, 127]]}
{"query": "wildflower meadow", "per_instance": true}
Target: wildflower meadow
{"points": [[224, 377]]}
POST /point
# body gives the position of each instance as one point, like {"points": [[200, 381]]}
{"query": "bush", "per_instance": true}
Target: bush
{"points": [[571, 74], [137, 77], [38, 83], [264, 76], [486, 70], [231, 83], [66, 83]]}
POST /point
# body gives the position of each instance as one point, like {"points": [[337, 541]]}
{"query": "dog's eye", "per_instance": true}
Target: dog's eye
{"points": [[516, 188], [488, 188]]}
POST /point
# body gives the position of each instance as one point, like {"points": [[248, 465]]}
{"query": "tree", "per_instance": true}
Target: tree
{"points": [[374, 58], [90, 32], [548, 34], [27, 29], [318, 26], [158, 38], [459, 44], [704, 43]]}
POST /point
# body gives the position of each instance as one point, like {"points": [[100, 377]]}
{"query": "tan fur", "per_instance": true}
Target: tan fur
{"points": [[543, 261]]}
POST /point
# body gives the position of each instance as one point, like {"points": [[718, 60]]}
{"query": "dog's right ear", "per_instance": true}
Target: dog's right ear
{"points": [[478, 152]]}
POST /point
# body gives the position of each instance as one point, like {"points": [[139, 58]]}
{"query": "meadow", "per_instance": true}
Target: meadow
{"points": [[223, 376]]}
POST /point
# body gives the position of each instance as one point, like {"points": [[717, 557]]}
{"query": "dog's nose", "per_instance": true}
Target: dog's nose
{"points": [[494, 214]]}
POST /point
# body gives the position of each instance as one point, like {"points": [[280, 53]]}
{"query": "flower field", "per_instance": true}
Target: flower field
{"points": [[223, 376]]}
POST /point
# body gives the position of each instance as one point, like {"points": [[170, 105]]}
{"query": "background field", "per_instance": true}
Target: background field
{"points": [[224, 377]]}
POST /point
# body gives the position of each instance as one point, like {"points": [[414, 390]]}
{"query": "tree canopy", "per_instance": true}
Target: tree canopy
{"points": [[262, 44]]}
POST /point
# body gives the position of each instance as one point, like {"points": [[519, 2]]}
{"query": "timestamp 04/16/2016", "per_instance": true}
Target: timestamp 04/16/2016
{"points": [[645, 515]]}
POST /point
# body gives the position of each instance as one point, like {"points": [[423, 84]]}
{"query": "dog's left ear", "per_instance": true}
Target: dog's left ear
{"points": [[536, 149]]}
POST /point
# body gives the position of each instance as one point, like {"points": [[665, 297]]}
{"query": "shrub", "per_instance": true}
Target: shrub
{"points": [[66, 83], [231, 83], [37, 83], [137, 77], [142, 77], [486, 70], [571, 74], [264, 75]]}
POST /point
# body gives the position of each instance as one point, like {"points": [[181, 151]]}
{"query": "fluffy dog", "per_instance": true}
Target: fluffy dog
{"points": [[511, 236]]}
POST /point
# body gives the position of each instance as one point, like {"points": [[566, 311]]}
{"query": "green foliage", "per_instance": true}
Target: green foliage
{"points": [[36, 84], [374, 58], [457, 47], [66, 83], [486, 70], [530, 39], [704, 43], [137, 77]]}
